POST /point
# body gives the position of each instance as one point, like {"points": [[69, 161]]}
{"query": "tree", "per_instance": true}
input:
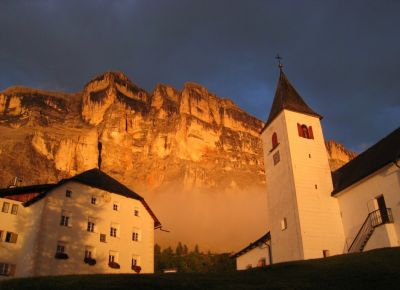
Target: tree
{"points": [[185, 250], [179, 249]]}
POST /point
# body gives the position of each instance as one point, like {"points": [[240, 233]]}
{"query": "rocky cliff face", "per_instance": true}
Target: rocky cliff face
{"points": [[195, 157], [338, 155]]}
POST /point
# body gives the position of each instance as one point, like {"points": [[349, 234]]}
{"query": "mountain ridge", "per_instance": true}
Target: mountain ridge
{"points": [[186, 151]]}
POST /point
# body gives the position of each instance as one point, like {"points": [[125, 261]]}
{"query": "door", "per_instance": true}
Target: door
{"points": [[382, 209]]}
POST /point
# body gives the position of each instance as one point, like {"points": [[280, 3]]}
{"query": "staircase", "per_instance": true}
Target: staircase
{"points": [[373, 220]]}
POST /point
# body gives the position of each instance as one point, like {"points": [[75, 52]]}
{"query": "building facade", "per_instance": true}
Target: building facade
{"points": [[87, 224], [312, 212]]}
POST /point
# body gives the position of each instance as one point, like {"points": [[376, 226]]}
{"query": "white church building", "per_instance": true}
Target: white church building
{"points": [[311, 211]]}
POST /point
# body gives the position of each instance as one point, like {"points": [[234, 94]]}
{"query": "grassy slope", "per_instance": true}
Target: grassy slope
{"points": [[378, 269]]}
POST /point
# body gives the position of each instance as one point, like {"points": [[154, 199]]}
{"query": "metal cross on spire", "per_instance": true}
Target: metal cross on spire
{"points": [[278, 57]]}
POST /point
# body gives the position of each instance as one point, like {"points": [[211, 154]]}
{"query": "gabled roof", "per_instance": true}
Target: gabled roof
{"points": [[253, 245], [287, 98], [97, 178], [93, 177], [379, 155]]}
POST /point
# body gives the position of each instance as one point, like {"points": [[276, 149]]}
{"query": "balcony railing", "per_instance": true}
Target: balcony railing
{"points": [[374, 219]]}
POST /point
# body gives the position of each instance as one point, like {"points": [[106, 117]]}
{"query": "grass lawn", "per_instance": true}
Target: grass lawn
{"points": [[378, 269]]}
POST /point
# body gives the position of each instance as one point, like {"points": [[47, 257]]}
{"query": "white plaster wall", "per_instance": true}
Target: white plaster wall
{"points": [[319, 214], [252, 257], [281, 197], [9, 252], [77, 237], [30, 232], [357, 201], [381, 238]]}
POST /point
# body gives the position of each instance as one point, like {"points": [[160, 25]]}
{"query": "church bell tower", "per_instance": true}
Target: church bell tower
{"points": [[303, 219]]}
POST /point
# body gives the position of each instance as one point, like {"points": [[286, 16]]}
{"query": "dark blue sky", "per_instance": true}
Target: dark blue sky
{"points": [[342, 56]]}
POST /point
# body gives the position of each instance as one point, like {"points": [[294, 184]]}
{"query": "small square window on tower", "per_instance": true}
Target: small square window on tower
{"points": [[325, 253], [283, 224], [276, 157]]}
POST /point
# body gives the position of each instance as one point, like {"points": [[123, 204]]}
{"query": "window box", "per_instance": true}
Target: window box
{"points": [[90, 261], [136, 268], [61, 256], [114, 265]]}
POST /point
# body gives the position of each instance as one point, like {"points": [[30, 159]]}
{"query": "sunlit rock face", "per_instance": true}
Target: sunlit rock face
{"points": [[338, 155], [195, 157]]}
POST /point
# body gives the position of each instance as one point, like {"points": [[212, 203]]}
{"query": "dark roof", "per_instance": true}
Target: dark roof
{"points": [[286, 97], [93, 177], [253, 245], [39, 188], [97, 178], [379, 155]]}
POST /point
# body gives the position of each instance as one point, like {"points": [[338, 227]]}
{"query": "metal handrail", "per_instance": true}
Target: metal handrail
{"points": [[376, 218]]}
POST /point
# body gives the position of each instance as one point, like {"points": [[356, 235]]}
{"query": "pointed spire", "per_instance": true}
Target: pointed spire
{"points": [[280, 65], [286, 97]]}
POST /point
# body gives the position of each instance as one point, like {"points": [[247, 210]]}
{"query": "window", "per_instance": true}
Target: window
{"points": [[283, 224], [7, 269], [90, 225], [89, 252], [316, 186], [103, 238], [61, 248], [65, 219], [325, 253], [89, 256], [115, 206], [14, 209], [276, 157], [304, 131], [68, 193], [93, 200], [135, 236], [114, 230], [136, 212], [61, 251], [113, 257], [11, 237], [113, 260], [6, 206], [274, 141], [135, 261]]}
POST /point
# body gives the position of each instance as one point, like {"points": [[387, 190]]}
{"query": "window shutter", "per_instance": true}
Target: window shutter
{"points": [[274, 140], [12, 270], [300, 130], [310, 133], [14, 238]]}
